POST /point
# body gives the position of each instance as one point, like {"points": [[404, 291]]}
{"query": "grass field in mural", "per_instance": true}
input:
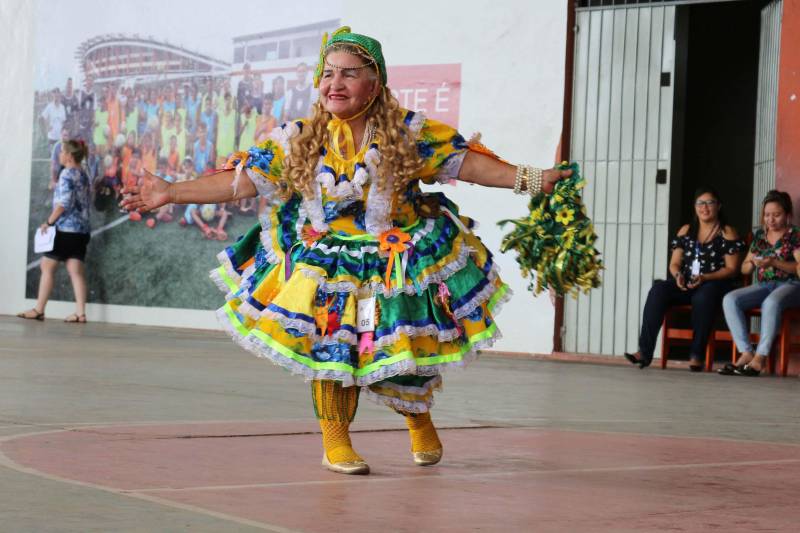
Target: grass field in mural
{"points": [[176, 100], [131, 264]]}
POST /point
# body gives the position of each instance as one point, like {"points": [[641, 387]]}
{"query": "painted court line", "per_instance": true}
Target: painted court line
{"points": [[669, 436], [505, 473], [67, 426], [150, 494], [580, 424], [503, 423], [5, 461], [506, 423], [98, 231], [662, 420]]}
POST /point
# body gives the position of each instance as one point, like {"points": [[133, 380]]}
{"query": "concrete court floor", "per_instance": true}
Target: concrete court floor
{"points": [[124, 428]]}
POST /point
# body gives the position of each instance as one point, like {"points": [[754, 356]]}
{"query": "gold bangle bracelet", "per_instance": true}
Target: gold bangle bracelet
{"points": [[530, 177]]}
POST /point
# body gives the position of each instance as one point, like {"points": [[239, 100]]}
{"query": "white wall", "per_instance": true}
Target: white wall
{"points": [[512, 73], [512, 57]]}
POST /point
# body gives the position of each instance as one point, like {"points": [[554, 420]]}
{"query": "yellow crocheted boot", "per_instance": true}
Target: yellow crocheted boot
{"points": [[425, 444], [335, 407]]}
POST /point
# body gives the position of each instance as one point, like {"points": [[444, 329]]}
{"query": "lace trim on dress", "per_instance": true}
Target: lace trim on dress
{"points": [[260, 348], [378, 209], [351, 189], [482, 295], [265, 187], [410, 366], [408, 406], [283, 135], [314, 211], [370, 248], [309, 330], [266, 240], [450, 168], [219, 281], [416, 123], [441, 335], [375, 286], [447, 335], [225, 261], [327, 250]]}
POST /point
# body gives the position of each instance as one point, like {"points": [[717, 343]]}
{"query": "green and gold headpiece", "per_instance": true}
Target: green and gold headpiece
{"points": [[343, 35]]}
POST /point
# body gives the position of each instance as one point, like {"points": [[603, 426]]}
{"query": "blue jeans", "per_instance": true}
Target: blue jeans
{"points": [[773, 297]]}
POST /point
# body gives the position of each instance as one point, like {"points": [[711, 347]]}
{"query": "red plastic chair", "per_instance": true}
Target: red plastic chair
{"points": [[670, 334], [783, 342]]}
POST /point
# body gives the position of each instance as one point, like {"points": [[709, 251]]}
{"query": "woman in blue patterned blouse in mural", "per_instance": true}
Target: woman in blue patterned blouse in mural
{"points": [[70, 216]]}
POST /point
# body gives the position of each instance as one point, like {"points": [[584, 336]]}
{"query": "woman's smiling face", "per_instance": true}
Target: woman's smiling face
{"points": [[707, 208], [347, 86]]}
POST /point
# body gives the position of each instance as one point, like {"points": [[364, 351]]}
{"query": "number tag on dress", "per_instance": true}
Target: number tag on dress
{"points": [[366, 315], [695, 268]]}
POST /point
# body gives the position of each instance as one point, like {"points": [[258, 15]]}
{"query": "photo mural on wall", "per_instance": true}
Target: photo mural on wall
{"points": [[175, 94]]}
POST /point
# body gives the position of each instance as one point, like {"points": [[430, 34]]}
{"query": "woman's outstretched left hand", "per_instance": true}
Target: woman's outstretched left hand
{"points": [[551, 176]]}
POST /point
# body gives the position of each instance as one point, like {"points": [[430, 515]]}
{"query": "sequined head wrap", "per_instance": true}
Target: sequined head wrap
{"points": [[343, 35]]}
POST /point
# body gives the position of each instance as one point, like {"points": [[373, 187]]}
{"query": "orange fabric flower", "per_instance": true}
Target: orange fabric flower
{"points": [[395, 242]]}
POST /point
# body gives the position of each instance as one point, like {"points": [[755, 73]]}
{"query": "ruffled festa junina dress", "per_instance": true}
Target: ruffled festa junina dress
{"points": [[293, 283]]}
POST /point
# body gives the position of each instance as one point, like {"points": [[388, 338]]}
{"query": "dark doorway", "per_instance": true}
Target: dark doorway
{"points": [[714, 121]]}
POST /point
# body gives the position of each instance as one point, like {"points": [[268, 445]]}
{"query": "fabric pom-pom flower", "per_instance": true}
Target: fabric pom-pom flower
{"points": [[565, 215], [555, 242]]}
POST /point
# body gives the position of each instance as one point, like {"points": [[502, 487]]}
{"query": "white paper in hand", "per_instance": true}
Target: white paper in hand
{"points": [[43, 242]]}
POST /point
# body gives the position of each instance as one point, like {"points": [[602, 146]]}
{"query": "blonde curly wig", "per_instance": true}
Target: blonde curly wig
{"points": [[399, 156]]}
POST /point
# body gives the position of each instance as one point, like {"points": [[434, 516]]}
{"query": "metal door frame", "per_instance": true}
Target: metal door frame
{"points": [[566, 139]]}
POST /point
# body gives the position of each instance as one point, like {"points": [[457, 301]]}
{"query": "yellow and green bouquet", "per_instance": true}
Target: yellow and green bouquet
{"points": [[555, 242]]}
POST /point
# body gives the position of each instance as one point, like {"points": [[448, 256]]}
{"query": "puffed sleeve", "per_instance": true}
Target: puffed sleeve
{"points": [[264, 163], [732, 247], [64, 194], [795, 238], [442, 149], [678, 242]]}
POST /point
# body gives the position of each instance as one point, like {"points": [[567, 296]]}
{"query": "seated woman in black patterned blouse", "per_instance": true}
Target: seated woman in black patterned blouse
{"points": [[703, 268]]}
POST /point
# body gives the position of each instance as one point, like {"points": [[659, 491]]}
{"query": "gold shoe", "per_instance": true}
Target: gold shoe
{"points": [[349, 467], [428, 458]]}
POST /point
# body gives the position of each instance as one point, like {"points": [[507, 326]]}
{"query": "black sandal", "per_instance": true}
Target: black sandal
{"points": [[695, 365], [748, 371], [634, 361], [729, 369]]}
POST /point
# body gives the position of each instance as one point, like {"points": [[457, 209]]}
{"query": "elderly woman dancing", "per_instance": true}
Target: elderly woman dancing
{"points": [[354, 278]]}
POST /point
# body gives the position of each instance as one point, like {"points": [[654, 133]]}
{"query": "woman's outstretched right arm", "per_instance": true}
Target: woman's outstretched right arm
{"points": [[153, 192]]}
